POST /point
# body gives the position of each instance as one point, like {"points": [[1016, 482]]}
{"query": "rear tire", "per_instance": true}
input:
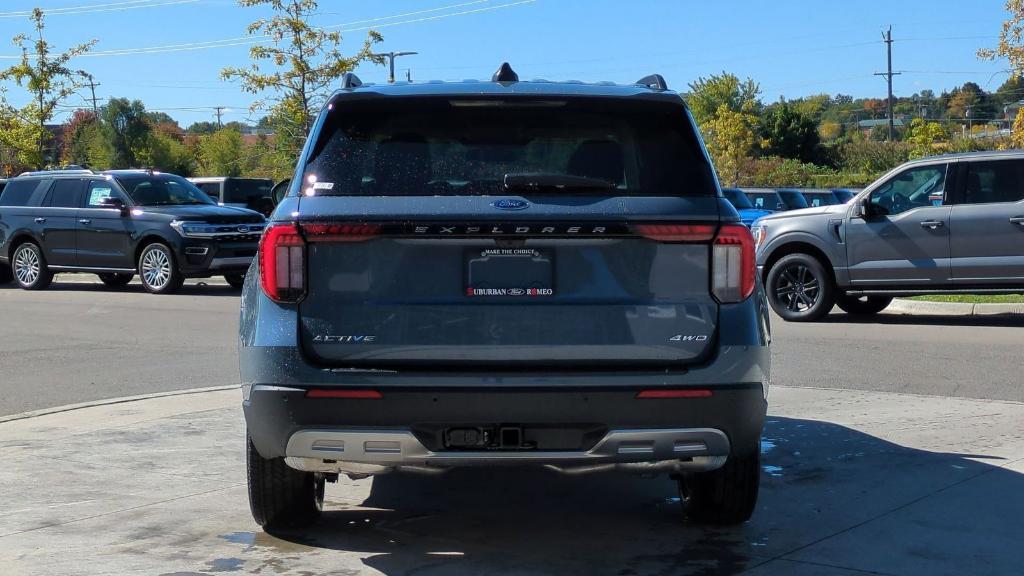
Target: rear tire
{"points": [[279, 496], [29, 267], [235, 280], [863, 305], [158, 269], [724, 496], [116, 279], [800, 289]]}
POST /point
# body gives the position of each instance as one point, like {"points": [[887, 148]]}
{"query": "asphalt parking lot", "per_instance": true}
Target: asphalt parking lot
{"points": [[893, 446]]}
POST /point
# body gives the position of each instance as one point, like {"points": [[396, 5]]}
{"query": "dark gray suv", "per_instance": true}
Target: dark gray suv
{"points": [[504, 273], [942, 225]]}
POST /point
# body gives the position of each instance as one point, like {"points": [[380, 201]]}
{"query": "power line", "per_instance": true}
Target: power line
{"points": [[93, 8]]}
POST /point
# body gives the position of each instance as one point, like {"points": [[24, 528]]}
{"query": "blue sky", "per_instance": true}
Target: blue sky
{"points": [[791, 47]]}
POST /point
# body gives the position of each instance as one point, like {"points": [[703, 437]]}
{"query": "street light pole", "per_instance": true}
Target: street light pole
{"points": [[391, 62]]}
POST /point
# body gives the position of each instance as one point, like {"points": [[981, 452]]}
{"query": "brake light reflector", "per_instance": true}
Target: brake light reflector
{"points": [[323, 232], [282, 257], [732, 264], [676, 232], [677, 393], [347, 394]]}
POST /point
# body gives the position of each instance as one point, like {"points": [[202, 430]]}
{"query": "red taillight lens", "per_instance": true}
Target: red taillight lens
{"points": [[677, 393], [322, 232], [732, 264], [282, 263], [676, 232]]}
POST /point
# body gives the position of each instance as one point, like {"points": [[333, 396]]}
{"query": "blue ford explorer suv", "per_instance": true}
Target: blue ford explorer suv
{"points": [[498, 273]]}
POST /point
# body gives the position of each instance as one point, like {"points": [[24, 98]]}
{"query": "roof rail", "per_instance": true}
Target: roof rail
{"points": [[350, 81], [58, 172], [505, 73], [654, 82]]}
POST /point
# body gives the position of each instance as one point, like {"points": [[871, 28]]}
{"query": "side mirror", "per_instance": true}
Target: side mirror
{"points": [[280, 190], [114, 203], [860, 208]]}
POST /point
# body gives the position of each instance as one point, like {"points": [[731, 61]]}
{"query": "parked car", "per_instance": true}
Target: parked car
{"points": [[793, 198], [818, 197], [252, 193], [845, 194], [504, 272], [893, 240], [766, 199], [742, 204], [119, 223]]}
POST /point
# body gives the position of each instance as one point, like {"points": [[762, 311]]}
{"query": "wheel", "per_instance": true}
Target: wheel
{"points": [[800, 289], [116, 279], [6, 275], [862, 306], [723, 496], [235, 280], [158, 270], [280, 496], [29, 266]]}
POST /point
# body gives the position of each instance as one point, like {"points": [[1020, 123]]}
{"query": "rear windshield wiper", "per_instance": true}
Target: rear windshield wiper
{"points": [[548, 181]]}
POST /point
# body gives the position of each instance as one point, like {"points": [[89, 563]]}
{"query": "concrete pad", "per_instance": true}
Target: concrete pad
{"points": [[853, 482]]}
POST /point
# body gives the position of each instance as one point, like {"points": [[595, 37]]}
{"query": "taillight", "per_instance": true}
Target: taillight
{"points": [[282, 263], [732, 264], [324, 232], [676, 232]]}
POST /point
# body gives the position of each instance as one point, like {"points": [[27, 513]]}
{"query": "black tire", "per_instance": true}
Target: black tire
{"points": [[235, 280], [863, 305], [279, 496], [29, 267], [6, 275], [116, 279], [724, 496], [158, 269], [800, 289]]}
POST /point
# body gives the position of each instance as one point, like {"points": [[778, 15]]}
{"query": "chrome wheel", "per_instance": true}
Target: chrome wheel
{"points": [[27, 265], [156, 268], [798, 288]]}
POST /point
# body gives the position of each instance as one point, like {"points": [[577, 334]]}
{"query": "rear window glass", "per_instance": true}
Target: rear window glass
{"points": [[766, 200], [246, 190], [439, 146], [820, 198], [737, 199], [18, 192]]}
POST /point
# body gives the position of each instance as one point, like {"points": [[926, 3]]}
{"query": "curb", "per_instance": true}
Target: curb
{"points": [[109, 401], [923, 307]]}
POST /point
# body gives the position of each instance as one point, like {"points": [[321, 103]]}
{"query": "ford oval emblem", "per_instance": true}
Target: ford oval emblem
{"points": [[243, 229], [510, 204]]}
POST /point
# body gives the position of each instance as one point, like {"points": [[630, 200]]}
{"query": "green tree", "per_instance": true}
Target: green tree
{"points": [[48, 78], [924, 136], [708, 95], [294, 73], [202, 128], [789, 133], [127, 131], [221, 153]]}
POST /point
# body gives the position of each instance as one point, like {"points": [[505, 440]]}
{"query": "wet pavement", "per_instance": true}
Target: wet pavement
{"points": [[853, 482]]}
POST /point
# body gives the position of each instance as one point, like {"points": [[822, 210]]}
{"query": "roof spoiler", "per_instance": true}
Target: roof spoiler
{"points": [[654, 82]]}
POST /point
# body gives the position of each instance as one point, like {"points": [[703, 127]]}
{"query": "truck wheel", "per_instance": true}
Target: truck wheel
{"points": [[116, 279], [235, 280], [800, 289], [723, 496], [29, 266], [158, 271], [862, 306], [280, 496]]}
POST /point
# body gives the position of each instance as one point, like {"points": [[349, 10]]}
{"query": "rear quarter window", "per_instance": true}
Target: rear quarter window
{"points": [[18, 192], [438, 146]]}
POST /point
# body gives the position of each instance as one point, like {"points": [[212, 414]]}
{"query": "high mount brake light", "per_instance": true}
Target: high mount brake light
{"points": [[732, 264], [282, 253]]}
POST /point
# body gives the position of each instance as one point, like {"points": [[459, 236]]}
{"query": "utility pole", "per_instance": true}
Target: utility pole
{"points": [[219, 110], [887, 38], [391, 62], [92, 88]]}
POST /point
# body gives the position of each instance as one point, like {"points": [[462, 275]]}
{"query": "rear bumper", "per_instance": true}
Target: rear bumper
{"points": [[592, 429]]}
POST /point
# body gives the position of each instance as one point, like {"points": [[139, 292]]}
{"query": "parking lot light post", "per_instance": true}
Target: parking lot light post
{"points": [[391, 62]]}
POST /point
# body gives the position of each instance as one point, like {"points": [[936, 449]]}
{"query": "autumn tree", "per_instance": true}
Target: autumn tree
{"points": [[924, 137], [221, 153], [47, 76], [294, 72], [730, 136], [1011, 47], [708, 95]]}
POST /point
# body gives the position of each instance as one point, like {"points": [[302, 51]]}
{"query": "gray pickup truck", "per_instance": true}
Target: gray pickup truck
{"points": [[943, 225]]}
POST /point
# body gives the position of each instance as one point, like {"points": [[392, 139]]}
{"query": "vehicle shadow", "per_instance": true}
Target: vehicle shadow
{"points": [[193, 288], [819, 480]]}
